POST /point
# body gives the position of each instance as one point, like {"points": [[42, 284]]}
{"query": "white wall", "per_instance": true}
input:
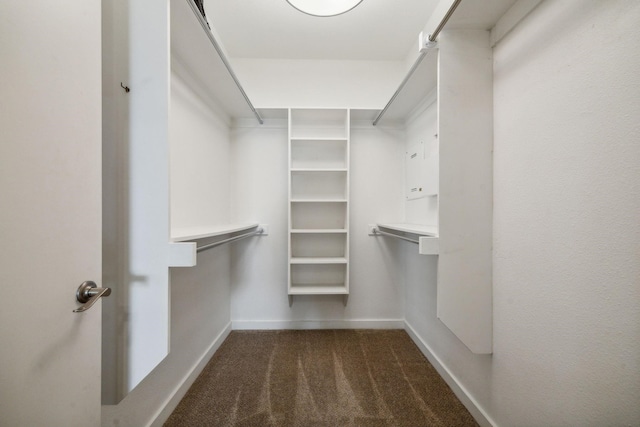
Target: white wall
{"points": [[199, 322], [419, 271], [567, 198], [135, 155], [566, 231], [377, 165], [465, 132], [259, 179], [200, 295], [423, 128], [420, 281], [273, 83], [259, 296], [199, 158]]}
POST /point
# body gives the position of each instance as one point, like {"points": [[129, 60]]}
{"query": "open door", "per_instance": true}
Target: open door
{"points": [[50, 214]]}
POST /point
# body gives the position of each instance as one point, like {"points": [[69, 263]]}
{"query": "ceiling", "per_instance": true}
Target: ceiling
{"points": [[374, 30]]}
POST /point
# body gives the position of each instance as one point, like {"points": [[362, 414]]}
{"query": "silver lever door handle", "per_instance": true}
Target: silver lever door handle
{"points": [[88, 293]]}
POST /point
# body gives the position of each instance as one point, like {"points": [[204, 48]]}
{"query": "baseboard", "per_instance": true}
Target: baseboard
{"points": [[181, 389], [452, 381], [318, 324]]}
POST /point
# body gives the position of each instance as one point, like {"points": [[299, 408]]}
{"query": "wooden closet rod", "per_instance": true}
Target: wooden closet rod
{"points": [[432, 38], [223, 57]]}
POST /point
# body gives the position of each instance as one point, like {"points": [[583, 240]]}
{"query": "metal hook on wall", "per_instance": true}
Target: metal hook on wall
{"points": [[126, 88]]}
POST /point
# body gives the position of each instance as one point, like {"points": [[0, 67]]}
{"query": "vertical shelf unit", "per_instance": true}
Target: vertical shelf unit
{"points": [[318, 202]]}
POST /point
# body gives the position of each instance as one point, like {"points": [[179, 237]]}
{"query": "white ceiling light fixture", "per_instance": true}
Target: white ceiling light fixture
{"points": [[324, 7]]}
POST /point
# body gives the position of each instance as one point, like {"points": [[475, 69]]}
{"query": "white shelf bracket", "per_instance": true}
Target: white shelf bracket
{"points": [[425, 43]]}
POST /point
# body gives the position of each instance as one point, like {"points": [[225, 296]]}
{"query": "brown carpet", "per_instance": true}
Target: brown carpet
{"points": [[319, 378]]}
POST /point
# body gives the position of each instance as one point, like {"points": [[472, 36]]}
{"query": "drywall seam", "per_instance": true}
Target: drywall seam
{"points": [[183, 386], [477, 411]]}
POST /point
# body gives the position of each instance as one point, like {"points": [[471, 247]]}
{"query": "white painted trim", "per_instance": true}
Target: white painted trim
{"points": [[183, 386], [458, 389], [318, 324]]}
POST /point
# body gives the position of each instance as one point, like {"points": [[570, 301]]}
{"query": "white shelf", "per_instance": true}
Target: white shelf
{"points": [[318, 231], [320, 153], [318, 260], [319, 215], [427, 235], [320, 289], [319, 124], [318, 200], [318, 170], [420, 85], [194, 57], [418, 229], [318, 139], [319, 186], [194, 233]]}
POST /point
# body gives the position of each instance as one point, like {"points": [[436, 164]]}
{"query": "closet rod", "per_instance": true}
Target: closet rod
{"points": [[432, 38], [384, 233], [231, 239], [223, 57]]}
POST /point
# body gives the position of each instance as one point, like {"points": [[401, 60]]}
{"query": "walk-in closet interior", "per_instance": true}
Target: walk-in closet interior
{"points": [[264, 168]]}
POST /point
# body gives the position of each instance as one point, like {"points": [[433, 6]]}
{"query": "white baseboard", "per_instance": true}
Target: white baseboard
{"points": [[318, 324], [183, 386], [452, 381]]}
